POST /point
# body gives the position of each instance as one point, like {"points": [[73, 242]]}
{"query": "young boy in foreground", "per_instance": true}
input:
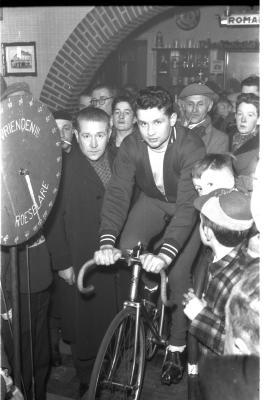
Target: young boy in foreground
{"points": [[214, 171], [225, 223]]}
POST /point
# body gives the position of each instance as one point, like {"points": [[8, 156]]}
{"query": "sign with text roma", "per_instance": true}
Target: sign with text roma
{"points": [[240, 19]]}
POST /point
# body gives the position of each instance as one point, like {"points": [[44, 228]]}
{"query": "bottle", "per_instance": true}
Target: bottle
{"points": [[185, 71], [159, 39]]}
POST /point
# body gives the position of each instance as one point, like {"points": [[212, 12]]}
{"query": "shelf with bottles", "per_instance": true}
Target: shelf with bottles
{"points": [[182, 66], [191, 44], [168, 49], [226, 45]]}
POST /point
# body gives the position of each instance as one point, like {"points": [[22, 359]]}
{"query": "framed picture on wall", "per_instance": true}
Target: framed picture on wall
{"points": [[19, 59]]}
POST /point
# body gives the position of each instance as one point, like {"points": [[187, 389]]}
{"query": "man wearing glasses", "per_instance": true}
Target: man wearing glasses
{"points": [[102, 97]]}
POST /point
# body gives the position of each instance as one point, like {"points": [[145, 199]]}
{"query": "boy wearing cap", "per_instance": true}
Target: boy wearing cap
{"points": [[196, 100], [225, 223]]}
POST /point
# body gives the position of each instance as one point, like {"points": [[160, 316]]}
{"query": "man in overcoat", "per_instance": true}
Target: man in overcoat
{"points": [[75, 238]]}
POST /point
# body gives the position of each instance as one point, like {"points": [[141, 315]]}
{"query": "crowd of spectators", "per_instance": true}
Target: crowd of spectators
{"points": [[183, 179]]}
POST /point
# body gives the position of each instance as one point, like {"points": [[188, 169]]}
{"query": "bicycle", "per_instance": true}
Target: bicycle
{"points": [[133, 337]]}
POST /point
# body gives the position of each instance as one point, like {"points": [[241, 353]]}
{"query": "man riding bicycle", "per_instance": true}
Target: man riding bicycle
{"points": [[157, 159]]}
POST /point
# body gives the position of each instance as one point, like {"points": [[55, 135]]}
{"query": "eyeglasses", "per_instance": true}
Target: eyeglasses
{"points": [[101, 101]]}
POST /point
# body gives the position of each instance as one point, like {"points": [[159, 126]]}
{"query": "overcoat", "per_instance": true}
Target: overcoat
{"points": [[72, 241], [246, 158]]}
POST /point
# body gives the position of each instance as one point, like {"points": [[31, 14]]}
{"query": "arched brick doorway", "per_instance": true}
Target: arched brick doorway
{"points": [[94, 38]]}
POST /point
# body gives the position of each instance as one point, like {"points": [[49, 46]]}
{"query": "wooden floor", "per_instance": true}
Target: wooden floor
{"points": [[63, 383]]}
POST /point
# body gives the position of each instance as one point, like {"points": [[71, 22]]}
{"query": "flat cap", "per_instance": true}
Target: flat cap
{"points": [[198, 89], [15, 88], [62, 114]]}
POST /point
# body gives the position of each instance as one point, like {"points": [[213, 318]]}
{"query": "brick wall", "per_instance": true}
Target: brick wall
{"points": [[94, 38]]}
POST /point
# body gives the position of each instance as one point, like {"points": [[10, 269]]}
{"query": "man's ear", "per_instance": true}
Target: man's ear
{"points": [[208, 233], [181, 104], [76, 134], [109, 132], [110, 128], [173, 119], [210, 105]]}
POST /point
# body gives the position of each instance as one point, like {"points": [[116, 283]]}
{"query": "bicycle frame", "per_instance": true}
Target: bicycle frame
{"points": [[141, 312], [142, 327]]}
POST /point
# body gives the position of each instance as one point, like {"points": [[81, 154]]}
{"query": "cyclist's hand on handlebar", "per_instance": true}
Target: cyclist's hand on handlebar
{"points": [[107, 255], [155, 263]]}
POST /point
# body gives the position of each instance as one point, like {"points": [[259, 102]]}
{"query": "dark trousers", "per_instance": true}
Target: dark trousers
{"points": [[38, 318], [54, 317], [83, 366], [146, 220]]}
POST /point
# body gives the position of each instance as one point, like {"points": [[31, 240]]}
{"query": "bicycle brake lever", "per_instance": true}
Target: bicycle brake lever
{"points": [[137, 250], [126, 255]]}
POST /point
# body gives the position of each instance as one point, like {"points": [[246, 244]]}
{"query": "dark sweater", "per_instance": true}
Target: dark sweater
{"points": [[132, 168]]}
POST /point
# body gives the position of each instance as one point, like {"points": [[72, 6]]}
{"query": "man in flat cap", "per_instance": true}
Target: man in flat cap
{"points": [[68, 145], [66, 129], [196, 100], [17, 88], [225, 224]]}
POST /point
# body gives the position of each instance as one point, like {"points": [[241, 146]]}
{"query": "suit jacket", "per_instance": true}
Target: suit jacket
{"points": [[215, 141], [132, 169]]}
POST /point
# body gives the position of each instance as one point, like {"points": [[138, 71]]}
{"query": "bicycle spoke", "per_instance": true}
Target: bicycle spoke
{"points": [[116, 380]]}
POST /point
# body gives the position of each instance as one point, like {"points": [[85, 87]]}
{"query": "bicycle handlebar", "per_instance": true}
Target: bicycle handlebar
{"points": [[90, 265]]}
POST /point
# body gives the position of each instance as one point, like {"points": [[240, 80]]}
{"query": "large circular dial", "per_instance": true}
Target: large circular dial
{"points": [[31, 163]]}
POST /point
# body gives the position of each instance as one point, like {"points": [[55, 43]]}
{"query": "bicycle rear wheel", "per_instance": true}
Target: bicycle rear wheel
{"points": [[150, 339], [117, 374]]}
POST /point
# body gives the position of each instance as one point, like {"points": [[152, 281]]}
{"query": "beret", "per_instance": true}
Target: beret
{"points": [[227, 208], [198, 89]]}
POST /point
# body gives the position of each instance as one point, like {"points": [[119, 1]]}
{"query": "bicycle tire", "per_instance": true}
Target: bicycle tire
{"points": [[111, 380]]}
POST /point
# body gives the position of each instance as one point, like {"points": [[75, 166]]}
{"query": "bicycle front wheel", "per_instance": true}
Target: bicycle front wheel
{"points": [[119, 366]]}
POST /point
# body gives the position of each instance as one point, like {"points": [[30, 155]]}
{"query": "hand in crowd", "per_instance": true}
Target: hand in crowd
{"points": [[68, 275], [193, 305], [8, 315], [107, 255], [17, 394], [155, 263]]}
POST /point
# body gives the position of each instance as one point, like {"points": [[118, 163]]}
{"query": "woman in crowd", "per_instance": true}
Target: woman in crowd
{"points": [[123, 119], [223, 116], [245, 144]]}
